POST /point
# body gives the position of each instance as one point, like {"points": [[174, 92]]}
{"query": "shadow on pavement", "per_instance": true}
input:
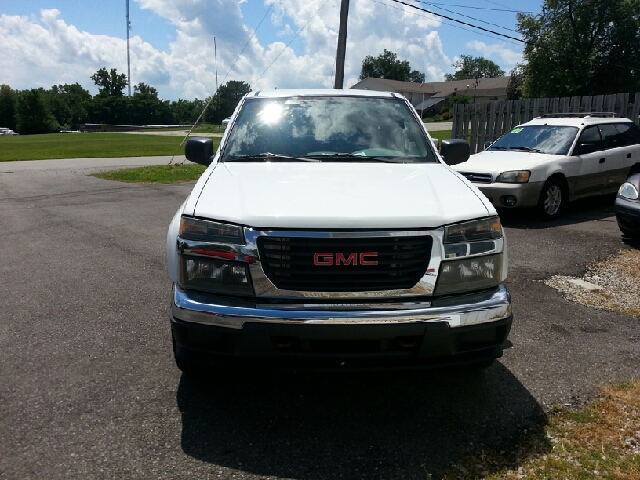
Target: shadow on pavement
{"points": [[580, 211], [373, 425]]}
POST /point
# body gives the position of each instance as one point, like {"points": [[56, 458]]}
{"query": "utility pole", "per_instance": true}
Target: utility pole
{"points": [[215, 56], [128, 57], [342, 44]]}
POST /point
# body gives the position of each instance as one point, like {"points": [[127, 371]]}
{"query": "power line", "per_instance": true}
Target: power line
{"points": [[238, 57], [501, 5], [225, 77], [446, 22], [525, 42], [248, 41], [459, 21], [506, 9], [467, 16]]}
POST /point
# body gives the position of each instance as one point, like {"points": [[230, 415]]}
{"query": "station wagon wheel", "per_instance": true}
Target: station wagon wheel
{"points": [[552, 199]]}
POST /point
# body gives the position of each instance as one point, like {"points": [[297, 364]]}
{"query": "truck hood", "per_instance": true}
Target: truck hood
{"points": [[496, 162], [327, 195]]}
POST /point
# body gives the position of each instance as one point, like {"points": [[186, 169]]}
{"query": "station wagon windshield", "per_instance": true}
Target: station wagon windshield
{"points": [[327, 129], [548, 139]]}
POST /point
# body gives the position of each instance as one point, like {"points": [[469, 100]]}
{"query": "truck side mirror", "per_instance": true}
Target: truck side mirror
{"points": [[199, 150], [455, 151]]}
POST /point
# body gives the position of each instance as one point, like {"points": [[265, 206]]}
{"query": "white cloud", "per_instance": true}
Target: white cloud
{"points": [[508, 57], [44, 50]]}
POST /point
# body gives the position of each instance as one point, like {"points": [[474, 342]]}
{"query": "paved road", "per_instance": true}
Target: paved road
{"points": [[89, 389], [439, 126]]}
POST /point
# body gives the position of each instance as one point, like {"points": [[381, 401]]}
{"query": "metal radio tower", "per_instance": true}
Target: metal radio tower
{"points": [[128, 56]]}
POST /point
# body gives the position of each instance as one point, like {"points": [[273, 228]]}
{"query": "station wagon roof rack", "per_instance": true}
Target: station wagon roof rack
{"points": [[580, 115]]}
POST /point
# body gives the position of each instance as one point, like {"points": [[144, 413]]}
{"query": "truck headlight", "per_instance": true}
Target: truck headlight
{"points": [[485, 229], [208, 231], [516, 176], [473, 256], [224, 273], [215, 276], [469, 274]]}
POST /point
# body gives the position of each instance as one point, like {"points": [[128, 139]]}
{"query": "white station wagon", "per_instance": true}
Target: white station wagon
{"points": [[551, 160]]}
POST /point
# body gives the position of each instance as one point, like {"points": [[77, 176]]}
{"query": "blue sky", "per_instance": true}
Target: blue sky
{"points": [[47, 42]]}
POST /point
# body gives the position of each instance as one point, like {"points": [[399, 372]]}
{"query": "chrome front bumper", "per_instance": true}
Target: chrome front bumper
{"points": [[456, 311]]}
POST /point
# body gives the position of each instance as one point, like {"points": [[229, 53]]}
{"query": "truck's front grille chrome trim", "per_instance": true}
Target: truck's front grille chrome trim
{"points": [[347, 264], [478, 177]]}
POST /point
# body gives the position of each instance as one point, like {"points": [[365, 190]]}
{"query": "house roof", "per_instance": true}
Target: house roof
{"points": [[485, 87], [429, 102]]}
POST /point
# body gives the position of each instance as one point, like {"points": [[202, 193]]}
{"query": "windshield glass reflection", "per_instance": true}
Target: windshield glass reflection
{"points": [[548, 139], [346, 129]]}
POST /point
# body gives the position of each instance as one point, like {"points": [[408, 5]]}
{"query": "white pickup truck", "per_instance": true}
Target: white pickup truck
{"points": [[328, 232]]}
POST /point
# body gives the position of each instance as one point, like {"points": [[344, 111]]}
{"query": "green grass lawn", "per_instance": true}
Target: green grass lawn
{"points": [[155, 174], [88, 145], [440, 135], [201, 128]]}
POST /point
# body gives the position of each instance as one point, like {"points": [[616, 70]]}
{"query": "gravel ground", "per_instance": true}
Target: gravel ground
{"points": [[613, 284]]}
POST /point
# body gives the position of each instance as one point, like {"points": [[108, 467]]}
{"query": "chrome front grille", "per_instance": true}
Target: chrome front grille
{"points": [[478, 177], [328, 264]]}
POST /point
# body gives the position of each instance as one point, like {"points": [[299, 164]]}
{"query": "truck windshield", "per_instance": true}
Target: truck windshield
{"points": [[327, 129], [548, 139]]}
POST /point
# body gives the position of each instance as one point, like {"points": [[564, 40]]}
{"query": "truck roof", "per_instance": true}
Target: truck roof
{"points": [[321, 92]]}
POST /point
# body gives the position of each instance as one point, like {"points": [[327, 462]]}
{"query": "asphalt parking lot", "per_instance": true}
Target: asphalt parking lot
{"points": [[89, 388]]}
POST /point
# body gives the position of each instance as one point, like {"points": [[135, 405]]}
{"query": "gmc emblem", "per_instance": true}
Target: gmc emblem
{"points": [[330, 259]]}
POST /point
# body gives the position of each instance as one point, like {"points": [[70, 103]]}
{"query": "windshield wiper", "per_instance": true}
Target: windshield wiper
{"points": [[527, 149], [361, 158], [496, 147], [266, 157]]}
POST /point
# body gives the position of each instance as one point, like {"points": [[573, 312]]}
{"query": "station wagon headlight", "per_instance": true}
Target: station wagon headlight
{"points": [[516, 176], [628, 190], [473, 257]]}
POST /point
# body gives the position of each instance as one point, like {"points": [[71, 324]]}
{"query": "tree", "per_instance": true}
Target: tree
{"points": [[582, 47], [387, 65], [69, 104], [460, 99], [33, 114], [468, 67], [110, 105], [516, 83], [7, 107], [110, 84], [184, 111], [145, 89], [226, 100], [146, 108]]}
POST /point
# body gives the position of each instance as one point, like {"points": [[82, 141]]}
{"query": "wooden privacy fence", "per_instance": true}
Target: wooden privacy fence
{"points": [[482, 122]]}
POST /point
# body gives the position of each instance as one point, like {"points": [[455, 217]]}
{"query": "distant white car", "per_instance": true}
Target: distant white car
{"points": [[551, 160], [7, 131], [226, 121]]}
